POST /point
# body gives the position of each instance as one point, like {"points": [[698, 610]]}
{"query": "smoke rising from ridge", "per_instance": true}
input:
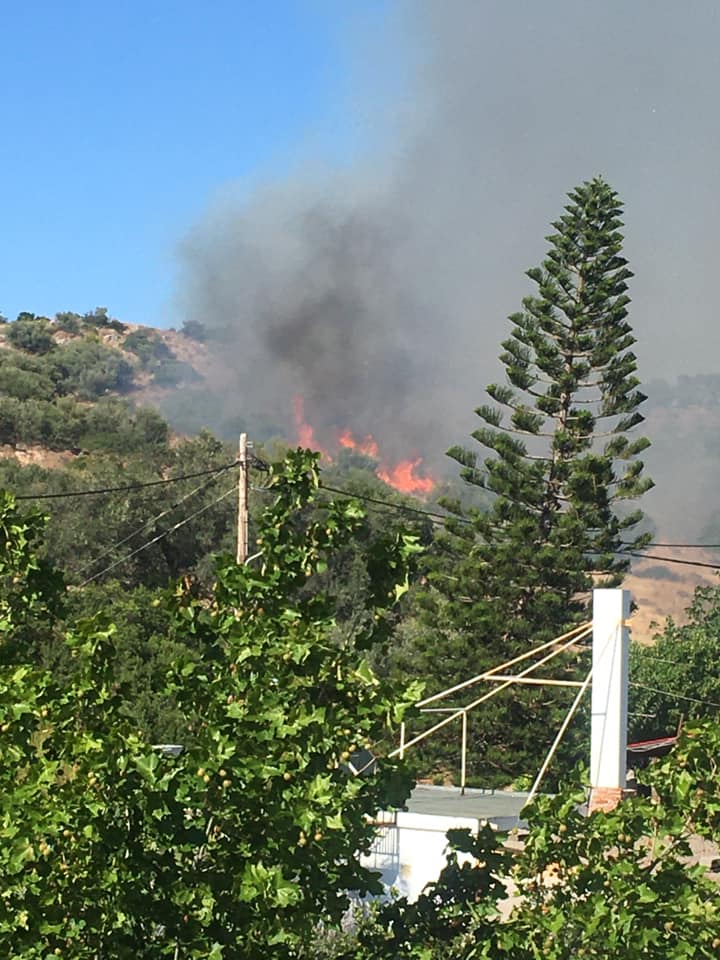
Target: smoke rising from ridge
{"points": [[380, 293]]}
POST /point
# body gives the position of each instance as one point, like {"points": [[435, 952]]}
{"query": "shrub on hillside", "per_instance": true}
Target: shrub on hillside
{"points": [[31, 333], [91, 369], [194, 329], [170, 373], [69, 322], [114, 426], [147, 346], [99, 318], [23, 384], [64, 424], [18, 370], [9, 420]]}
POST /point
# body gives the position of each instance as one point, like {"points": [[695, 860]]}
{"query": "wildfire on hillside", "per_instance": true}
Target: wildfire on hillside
{"points": [[406, 475], [305, 433]]}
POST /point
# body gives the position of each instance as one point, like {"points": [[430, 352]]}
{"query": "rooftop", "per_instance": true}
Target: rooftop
{"points": [[501, 807]]}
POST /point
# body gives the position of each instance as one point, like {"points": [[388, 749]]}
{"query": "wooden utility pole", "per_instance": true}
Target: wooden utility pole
{"points": [[242, 515]]}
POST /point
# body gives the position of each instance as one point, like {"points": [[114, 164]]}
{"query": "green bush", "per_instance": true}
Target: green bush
{"points": [[194, 329], [69, 322], [18, 379], [90, 369], [147, 346], [32, 334], [114, 426], [109, 425], [9, 420], [99, 318], [169, 373]]}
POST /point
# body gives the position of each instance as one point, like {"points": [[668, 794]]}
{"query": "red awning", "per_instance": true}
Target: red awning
{"points": [[652, 748]]}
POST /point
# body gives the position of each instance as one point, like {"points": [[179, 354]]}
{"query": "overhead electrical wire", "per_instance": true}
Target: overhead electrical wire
{"points": [[401, 508], [159, 516], [685, 563], [159, 536], [687, 546], [674, 696], [647, 656], [97, 491], [434, 516]]}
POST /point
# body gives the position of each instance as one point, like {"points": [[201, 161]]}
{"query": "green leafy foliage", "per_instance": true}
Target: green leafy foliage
{"points": [[30, 333], [89, 369], [604, 886], [618, 884], [30, 588], [99, 318], [240, 846], [147, 346], [68, 321], [678, 676], [145, 646], [67, 424], [26, 376]]}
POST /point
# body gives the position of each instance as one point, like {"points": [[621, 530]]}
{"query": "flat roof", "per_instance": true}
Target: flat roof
{"points": [[500, 807]]}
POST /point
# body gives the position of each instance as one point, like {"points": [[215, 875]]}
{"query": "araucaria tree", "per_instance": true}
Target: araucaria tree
{"points": [[561, 463]]}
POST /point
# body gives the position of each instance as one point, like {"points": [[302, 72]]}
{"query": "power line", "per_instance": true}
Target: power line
{"points": [[159, 536], [685, 563], [675, 696], [155, 519], [388, 504], [402, 508], [124, 488], [445, 516], [686, 546], [377, 501], [673, 663], [449, 516]]}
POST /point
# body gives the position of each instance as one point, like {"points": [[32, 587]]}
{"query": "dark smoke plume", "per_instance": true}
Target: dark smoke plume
{"points": [[381, 293]]}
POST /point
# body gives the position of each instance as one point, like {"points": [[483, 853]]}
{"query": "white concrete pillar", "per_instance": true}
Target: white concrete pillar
{"points": [[608, 738]]}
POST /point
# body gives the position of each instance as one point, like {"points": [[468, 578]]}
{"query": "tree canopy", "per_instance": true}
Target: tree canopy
{"points": [[558, 469], [246, 841], [678, 676]]}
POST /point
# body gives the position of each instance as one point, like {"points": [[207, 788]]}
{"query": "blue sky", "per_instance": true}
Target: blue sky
{"points": [[120, 122]]}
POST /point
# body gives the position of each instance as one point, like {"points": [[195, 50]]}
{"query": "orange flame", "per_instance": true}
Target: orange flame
{"points": [[367, 446], [305, 432], [403, 476]]}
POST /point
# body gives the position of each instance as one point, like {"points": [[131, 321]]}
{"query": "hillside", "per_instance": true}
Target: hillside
{"points": [[75, 414], [86, 403], [86, 397], [666, 590], [51, 371]]}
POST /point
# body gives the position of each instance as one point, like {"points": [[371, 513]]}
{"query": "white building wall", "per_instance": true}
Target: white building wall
{"points": [[411, 848]]}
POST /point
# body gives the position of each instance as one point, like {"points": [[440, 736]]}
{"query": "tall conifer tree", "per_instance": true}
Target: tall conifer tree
{"points": [[559, 467]]}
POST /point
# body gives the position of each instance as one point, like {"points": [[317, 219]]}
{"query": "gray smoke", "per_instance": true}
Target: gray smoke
{"points": [[380, 293]]}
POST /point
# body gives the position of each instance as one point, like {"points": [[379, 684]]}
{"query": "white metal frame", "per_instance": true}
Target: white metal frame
{"points": [[561, 644], [611, 609]]}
